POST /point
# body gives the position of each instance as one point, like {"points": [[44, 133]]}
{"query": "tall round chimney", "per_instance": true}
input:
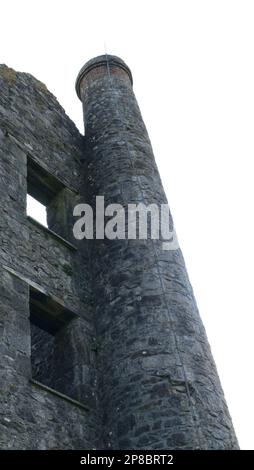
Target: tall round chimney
{"points": [[158, 385]]}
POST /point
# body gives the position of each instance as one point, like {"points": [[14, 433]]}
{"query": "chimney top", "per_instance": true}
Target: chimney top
{"points": [[105, 61]]}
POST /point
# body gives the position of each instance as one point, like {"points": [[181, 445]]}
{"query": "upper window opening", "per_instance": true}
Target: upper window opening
{"points": [[40, 184], [46, 197]]}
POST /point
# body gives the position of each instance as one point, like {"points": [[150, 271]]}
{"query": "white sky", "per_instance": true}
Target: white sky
{"points": [[192, 63]]}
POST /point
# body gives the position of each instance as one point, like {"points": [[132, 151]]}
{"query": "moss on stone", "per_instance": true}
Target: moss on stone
{"points": [[41, 86], [9, 75]]}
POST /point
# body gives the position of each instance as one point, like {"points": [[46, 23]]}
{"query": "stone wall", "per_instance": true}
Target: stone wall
{"points": [[102, 345], [34, 128]]}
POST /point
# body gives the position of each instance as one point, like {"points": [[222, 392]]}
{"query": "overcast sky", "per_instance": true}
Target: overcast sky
{"points": [[192, 63]]}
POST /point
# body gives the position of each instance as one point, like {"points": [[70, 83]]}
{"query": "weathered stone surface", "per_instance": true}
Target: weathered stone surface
{"points": [[154, 361], [33, 127], [135, 352]]}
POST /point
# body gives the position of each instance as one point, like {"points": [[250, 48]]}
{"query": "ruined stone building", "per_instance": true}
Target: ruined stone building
{"points": [[102, 345]]}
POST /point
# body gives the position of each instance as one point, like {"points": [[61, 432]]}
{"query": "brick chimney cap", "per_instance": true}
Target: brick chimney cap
{"points": [[99, 61]]}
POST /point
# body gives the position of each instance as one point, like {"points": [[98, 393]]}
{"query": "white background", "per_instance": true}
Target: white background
{"points": [[192, 63]]}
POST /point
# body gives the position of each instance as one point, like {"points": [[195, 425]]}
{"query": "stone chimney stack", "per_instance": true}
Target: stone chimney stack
{"points": [[157, 381]]}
